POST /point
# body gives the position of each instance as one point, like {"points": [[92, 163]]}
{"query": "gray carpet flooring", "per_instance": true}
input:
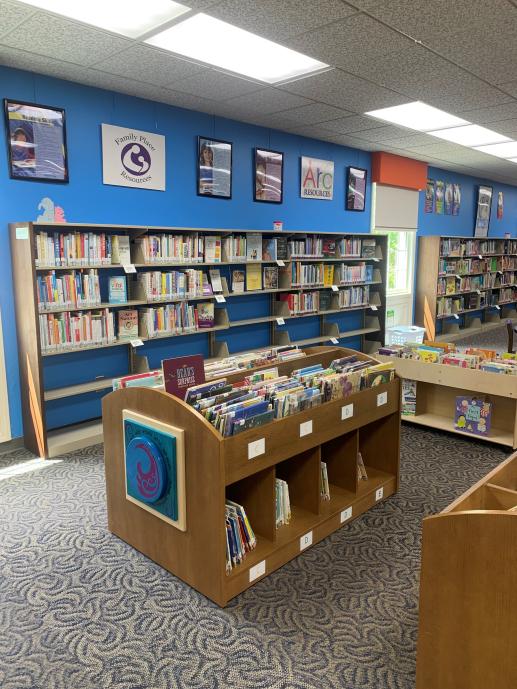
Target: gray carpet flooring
{"points": [[79, 609], [497, 339]]}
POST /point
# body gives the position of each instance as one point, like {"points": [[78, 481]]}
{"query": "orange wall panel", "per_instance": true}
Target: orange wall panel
{"points": [[397, 171]]}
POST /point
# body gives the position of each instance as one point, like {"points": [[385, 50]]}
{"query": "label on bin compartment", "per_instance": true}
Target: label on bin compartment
{"points": [[347, 411], [306, 540], [306, 428], [346, 514], [379, 493], [382, 398], [256, 448], [258, 570]]}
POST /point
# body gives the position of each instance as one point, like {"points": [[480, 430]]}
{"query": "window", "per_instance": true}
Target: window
{"points": [[401, 254]]}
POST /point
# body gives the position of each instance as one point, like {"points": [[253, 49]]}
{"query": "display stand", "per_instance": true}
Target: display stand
{"points": [[438, 385], [244, 468], [468, 588]]}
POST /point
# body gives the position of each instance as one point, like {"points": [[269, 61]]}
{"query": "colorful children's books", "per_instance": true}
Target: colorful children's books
{"points": [[128, 324], [205, 315], [212, 249], [181, 373], [473, 415], [117, 289]]}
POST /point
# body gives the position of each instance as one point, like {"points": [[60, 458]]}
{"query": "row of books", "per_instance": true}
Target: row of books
{"points": [[241, 362], [448, 306], [310, 274], [174, 284], [488, 360], [81, 249], [452, 246], [353, 296], [175, 319], [282, 503], [68, 290], [168, 248], [300, 303], [240, 537], [69, 330], [360, 272], [266, 395], [456, 283], [255, 277], [466, 266]]}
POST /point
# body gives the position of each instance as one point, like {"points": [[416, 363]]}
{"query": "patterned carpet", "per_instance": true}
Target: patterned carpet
{"points": [[80, 609]]}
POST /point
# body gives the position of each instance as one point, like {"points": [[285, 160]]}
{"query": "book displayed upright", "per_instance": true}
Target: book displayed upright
{"points": [[117, 289], [254, 247], [128, 324], [253, 277], [183, 372]]}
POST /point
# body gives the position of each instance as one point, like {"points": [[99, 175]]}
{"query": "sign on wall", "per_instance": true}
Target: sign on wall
{"points": [[132, 158], [317, 179]]}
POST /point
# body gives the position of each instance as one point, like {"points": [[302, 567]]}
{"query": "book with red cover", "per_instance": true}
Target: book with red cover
{"points": [[183, 372]]}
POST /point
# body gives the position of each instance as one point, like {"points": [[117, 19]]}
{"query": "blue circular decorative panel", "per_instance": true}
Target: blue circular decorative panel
{"points": [[146, 470]]}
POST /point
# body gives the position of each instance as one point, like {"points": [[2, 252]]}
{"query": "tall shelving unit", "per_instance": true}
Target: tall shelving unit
{"points": [[220, 468], [465, 285], [39, 370]]}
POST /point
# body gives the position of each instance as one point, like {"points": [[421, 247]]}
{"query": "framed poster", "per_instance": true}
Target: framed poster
{"points": [[429, 196], [439, 197], [484, 206], [36, 141], [317, 179], [448, 198], [268, 176], [456, 199], [214, 168], [356, 189], [500, 205]]}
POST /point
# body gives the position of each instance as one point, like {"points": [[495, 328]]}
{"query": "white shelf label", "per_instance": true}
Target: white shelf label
{"points": [[379, 493], [497, 307], [479, 256], [306, 541], [306, 428], [136, 343], [382, 398], [456, 316], [346, 514], [220, 299], [280, 321], [22, 233], [129, 268], [373, 307], [256, 448], [478, 291], [334, 340], [335, 288], [347, 411], [280, 263], [257, 571], [458, 277]]}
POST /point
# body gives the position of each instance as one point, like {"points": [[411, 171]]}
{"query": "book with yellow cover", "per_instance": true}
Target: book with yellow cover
{"points": [[328, 275], [253, 277]]}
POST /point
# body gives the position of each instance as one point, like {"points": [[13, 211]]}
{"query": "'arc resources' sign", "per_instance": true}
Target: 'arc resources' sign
{"points": [[132, 158], [317, 179]]}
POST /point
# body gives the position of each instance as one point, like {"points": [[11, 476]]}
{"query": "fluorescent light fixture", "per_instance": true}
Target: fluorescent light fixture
{"points": [[470, 135], [131, 18], [506, 150], [223, 45], [417, 115]]}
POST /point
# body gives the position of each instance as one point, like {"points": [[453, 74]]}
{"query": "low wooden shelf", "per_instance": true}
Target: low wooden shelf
{"points": [[218, 468], [468, 588], [438, 385]]}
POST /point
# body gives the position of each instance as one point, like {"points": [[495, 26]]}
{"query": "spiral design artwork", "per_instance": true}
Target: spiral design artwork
{"points": [[146, 470], [81, 609]]}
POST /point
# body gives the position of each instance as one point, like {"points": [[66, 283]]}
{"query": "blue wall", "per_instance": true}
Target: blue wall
{"points": [[463, 223], [86, 199]]}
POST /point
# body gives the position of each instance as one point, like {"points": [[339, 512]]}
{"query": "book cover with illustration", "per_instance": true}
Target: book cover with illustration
{"points": [[117, 289], [254, 247], [128, 324], [473, 415], [181, 373], [238, 277], [409, 388], [328, 275], [253, 277], [205, 315], [328, 247], [368, 248], [270, 277], [269, 249]]}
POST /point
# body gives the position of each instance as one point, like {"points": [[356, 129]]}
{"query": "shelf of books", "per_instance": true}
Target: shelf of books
{"points": [[465, 285], [468, 588], [90, 297], [471, 393], [252, 467]]}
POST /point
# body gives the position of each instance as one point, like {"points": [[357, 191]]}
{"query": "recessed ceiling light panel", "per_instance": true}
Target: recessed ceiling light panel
{"points": [[506, 150], [417, 115], [131, 18], [223, 45], [470, 135]]}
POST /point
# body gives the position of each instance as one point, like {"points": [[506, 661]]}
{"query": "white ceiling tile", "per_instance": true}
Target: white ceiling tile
{"points": [[509, 87], [51, 36], [276, 20], [12, 15], [411, 140], [491, 113], [382, 134], [145, 63], [187, 100], [506, 127], [344, 43], [439, 148], [345, 90], [267, 101], [308, 114], [215, 85], [355, 123]]}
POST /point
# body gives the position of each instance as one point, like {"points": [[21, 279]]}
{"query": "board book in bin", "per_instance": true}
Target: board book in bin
{"points": [[473, 415], [181, 373]]}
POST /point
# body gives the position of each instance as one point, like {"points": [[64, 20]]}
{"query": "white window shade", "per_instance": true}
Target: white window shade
{"points": [[394, 208]]}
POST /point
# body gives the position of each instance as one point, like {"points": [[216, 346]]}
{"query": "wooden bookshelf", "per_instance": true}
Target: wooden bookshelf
{"points": [[438, 385], [468, 588], [35, 362], [480, 302], [219, 468]]}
